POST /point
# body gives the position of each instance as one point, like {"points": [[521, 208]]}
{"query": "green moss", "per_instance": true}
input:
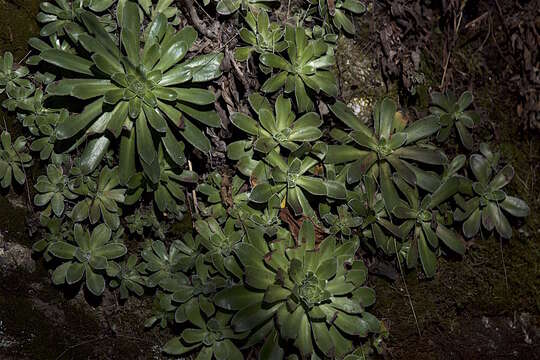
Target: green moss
{"points": [[182, 227], [472, 288], [18, 25]]}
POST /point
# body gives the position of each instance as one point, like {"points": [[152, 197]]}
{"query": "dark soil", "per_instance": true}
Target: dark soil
{"points": [[484, 306]]}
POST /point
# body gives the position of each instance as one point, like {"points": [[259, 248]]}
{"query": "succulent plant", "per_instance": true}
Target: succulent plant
{"points": [[242, 152], [163, 267], [145, 218], [228, 7], [147, 8], [220, 244], [13, 159], [453, 112], [370, 349], [169, 272], [213, 337], [489, 200], [56, 229], [271, 256], [42, 123], [138, 91], [61, 16], [192, 255], [168, 189], [342, 223], [426, 224], [221, 195], [279, 128], [366, 202], [162, 310], [101, 197], [266, 220], [390, 146], [89, 257], [13, 79], [289, 179], [53, 190], [453, 167], [261, 36], [324, 34], [32, 109], [51, 42], [80, 182], [308, 65], [200, 289], [304, 293], [337, 11], [128, 278]]}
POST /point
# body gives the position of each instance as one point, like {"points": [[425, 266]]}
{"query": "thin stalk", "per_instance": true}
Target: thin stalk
{"points": [[407, 290]]}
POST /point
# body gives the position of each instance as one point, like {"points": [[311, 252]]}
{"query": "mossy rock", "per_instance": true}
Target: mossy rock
{"points": [[359, 78]]}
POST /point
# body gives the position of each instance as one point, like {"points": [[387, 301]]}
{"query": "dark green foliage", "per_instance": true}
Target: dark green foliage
{"points": [[228, 7], [452, 112], [339, 12], [128, 278], [392, 145], [307, 65], [88, 256], [261, 36], [304, 293], [53, 191], [140, 92], [101, 197], [488, 199], [12, 79], [264, 251], [13, 159]]}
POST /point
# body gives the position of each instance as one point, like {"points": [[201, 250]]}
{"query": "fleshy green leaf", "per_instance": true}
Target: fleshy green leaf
{"points": [[62, 250]]}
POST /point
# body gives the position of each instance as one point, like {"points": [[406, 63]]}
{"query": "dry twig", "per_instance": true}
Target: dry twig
{"points": [[189, 8]]}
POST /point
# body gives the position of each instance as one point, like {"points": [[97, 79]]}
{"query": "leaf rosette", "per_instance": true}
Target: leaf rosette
{"points": [[310, 294], [392, 145], [489, 200], [140, 90], [13, 159], [90, 256], [308, 65]]}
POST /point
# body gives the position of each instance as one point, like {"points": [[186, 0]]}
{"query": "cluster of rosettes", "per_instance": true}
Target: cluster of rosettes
{"points": [[116, 103]]}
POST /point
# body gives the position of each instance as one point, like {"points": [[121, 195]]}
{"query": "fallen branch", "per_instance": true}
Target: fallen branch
{"points": [[190, 10]]}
